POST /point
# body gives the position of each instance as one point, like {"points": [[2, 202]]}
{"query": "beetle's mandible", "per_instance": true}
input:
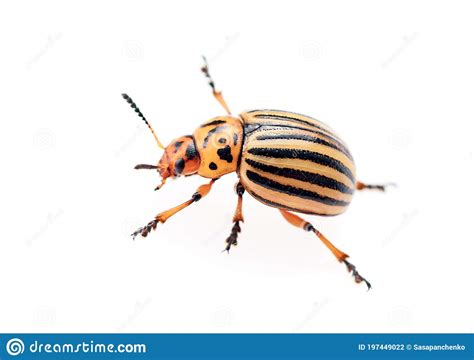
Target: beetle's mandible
{"points": [[285, 160]]}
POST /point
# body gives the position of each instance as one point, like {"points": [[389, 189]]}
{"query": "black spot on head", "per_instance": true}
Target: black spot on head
{"points": [[213, 166], [236, 137], [179, 166], [191, 152], [224, 154], [222, 140], [177, 145]]}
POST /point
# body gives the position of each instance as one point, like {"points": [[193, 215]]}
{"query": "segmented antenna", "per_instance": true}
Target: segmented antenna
{"points": [[139, 113], [205, 70]]}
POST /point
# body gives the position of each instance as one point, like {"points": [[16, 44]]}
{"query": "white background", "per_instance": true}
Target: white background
{"points": [[394, 79]]}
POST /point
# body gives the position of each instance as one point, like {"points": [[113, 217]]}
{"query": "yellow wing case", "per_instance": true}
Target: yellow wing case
{"points": [[295, 162]]}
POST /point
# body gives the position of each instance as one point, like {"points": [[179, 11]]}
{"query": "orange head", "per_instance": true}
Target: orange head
{"points": [[213, 150], [180, 158]]}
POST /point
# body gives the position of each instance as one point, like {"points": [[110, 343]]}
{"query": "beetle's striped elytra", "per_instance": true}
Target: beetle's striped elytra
{"points": [[283, 159], [294, 162]]}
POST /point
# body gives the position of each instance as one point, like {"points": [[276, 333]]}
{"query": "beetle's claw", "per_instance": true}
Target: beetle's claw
{"points": [[143, 231], [357, 277], [232, 239]]}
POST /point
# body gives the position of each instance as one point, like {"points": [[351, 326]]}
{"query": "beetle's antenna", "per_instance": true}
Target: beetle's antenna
{"points": [[146, 166], [217, 94], [139, 113]]}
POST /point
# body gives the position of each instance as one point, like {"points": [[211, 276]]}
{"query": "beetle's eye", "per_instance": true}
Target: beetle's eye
{"points": [[179, 166]]}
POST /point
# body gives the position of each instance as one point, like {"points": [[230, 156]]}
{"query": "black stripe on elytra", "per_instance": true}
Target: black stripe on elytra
{"points": [[283, 117], [214, 122], [341, 146], [281, 206], [306, 176], [293, 191], [315, 157], [266, 111], [312, 139]]}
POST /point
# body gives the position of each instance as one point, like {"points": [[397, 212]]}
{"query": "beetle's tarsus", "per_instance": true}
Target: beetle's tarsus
{"points": [[163, 181], [232, 239], [143, 231], [379, 187], [357, 277]]}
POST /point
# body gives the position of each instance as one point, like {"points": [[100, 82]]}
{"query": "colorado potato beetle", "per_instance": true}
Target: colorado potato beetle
{"points": [[285, 160]]}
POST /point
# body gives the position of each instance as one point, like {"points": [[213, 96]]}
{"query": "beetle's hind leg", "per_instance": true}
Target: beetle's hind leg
{"points": [[217, 94], [341, 256], [381, 187], [238, 218]]}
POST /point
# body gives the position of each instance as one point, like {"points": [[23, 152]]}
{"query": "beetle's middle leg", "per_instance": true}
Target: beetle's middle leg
{"points": [[341, 256], [238, 217], [201, 191], [217, 94]]}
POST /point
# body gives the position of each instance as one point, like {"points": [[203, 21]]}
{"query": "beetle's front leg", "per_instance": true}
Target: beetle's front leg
{"points": [[238, 217], [201, 191]]}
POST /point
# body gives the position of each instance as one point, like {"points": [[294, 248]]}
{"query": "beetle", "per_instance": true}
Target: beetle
{"points": [[285, 160]]}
